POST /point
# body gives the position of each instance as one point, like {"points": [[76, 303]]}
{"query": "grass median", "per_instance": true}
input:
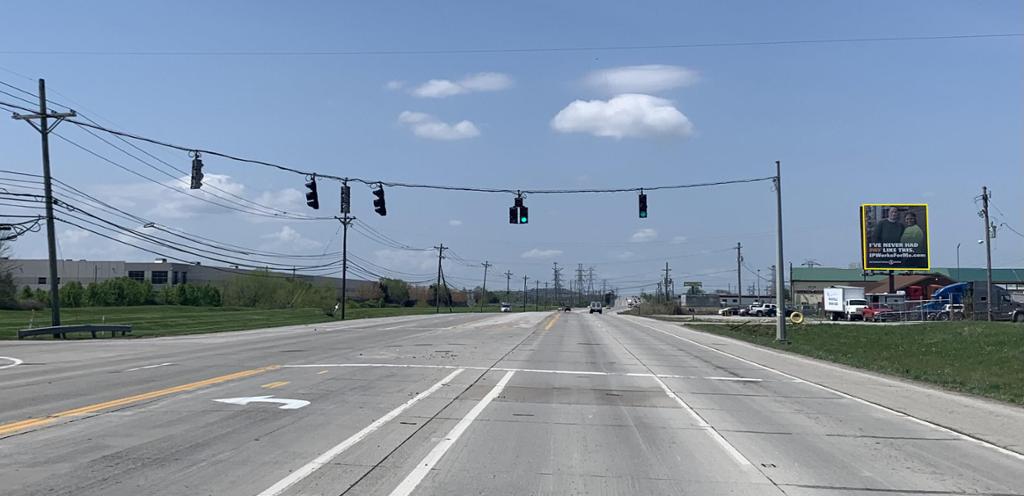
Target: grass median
{"points": [[170, 320], [982, 358]]}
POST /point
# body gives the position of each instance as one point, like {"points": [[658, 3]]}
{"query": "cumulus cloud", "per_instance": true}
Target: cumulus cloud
{"points": [[538, 253], [394, 85], [289, 238], [641, 78], [482, 81], [415, 262], [644, 235], [679, 239], [430, 127], [455, 222], [628, 115], [72, 236]]}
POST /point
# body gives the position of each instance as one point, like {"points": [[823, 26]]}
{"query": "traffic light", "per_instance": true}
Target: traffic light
{"points": [[513, 215], [518, 213], [643, 206], [379, 205], [524, 215], [346, 199], [312, 199], [197, 172]]}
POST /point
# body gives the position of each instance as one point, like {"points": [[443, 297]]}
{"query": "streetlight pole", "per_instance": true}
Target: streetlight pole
{"points": [[958, 262]]}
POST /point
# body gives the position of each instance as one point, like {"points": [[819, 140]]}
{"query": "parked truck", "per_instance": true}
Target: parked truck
{"points": [[844, 303], [970, 298]]}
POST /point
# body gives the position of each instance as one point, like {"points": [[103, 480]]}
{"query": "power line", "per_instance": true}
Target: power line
{"points": [[510, 50]]}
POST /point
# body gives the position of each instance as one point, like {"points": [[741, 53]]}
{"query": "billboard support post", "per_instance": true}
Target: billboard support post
{"points": [[780, 295], [892, 282]]}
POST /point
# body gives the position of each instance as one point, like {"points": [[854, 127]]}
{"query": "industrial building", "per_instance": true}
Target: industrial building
{"points": [[808, 283]]}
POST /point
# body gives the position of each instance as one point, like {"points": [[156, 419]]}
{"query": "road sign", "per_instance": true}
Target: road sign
{"points": [[286, 404]]}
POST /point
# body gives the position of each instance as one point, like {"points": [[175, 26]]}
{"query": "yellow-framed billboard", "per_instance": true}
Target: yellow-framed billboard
{"points": [[894, 236]]}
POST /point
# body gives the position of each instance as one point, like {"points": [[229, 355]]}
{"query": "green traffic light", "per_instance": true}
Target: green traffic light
{"points": [[523, 220], [643, 215]]}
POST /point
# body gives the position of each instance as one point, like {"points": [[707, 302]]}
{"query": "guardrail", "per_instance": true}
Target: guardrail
{"points": [[63, 330]]}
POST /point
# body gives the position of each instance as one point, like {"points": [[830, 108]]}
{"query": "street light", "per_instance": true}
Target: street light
{"points": [[958, 262]]}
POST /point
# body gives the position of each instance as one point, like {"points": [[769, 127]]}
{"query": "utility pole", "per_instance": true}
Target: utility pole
{"points": [[525, 292], [579, 283], [780, 315], [345, 219], [508, 287], [547, 296], [483, 295], [558, 283], [536, 296], [739, 274], [44, 129], [437, 293], [667, 270], [590, 283], [985, 195], [772, 292]]}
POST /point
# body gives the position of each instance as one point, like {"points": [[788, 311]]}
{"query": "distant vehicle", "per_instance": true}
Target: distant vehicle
{"points": [[763, 310], [595, 306], [878, 312], [1017, 316], [729, 311], [505, 307], [566, 308], [947, 300], [845, 303]]}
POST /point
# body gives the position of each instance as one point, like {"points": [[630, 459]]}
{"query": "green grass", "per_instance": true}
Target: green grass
{"points": [[169, 320], [982, 358]]}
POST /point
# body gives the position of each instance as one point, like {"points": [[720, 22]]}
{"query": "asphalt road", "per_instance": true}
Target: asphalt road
{"points": [[536, 403]]}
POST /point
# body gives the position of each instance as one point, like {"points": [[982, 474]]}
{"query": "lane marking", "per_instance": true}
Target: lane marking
{"points": [[414, 478], [14, 362], [275, 385], [538, 371], [898, 413], [325, 458], [12, 427], [717, 436], [286, 403], [552, 322], [321, 372], [149, 367]]}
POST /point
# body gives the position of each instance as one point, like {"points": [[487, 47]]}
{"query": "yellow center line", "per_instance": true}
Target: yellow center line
{"points": [[273, 385], [552, 322], [12, 427]]}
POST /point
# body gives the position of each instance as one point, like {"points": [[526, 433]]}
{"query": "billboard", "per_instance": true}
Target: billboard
{"points": [[894, 236]]}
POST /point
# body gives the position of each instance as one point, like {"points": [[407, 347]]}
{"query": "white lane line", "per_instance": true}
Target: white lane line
{"points": [[14, 362], [898, 413], [416, 476], [330, 454], [149, 367], [729, 448], [537, 371]]}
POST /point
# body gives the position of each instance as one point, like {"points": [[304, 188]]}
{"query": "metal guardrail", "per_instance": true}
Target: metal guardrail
{"points": [[63, 330]]}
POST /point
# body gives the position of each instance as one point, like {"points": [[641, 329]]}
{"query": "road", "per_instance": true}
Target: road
{"points": [[534, 403]]}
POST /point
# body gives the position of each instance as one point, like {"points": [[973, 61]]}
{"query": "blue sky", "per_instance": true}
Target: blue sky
{"points": [[911, 121]]}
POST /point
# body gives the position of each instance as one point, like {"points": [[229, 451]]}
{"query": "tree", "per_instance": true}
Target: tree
{"points": [[395, 291], [72, 295], [8, 290]]}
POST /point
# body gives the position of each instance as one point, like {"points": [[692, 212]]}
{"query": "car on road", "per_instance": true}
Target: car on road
{"points": [[878, 312], [729, 311], [505, 307], [596, 306], [565, 308], [763, 310]]}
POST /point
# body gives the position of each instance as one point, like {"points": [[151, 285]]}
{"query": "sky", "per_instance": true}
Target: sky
{"points": [[913, 121]]}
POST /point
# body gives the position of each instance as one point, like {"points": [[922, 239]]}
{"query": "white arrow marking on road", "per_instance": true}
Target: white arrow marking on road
{"points": [[15, 362], [286, 404]]}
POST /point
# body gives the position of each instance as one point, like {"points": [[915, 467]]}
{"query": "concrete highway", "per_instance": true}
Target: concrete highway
{"points": [[535, 403]]}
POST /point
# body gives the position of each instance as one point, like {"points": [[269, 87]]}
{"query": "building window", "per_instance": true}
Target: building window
{"points": [[41, 280], [184, 277], [159, 277], [174, 280], [137, 275]]}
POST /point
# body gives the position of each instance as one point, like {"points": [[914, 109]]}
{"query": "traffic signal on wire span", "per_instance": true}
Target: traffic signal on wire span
{"points": [[379, 205], [346, 199], [519, 213], [312, 199], [643, 205], [197, 172]]}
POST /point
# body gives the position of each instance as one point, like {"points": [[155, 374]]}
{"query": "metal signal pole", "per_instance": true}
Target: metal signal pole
{"points": [[780, 300], [44, 129]]}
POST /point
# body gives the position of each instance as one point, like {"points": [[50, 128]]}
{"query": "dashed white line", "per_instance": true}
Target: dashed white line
{"points": [[14, 362], [149, 367], [414, 478], [330, 454], [538, 371], [898, 413]]}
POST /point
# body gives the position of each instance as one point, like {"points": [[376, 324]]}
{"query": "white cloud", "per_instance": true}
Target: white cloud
{"points": [[626, 255], [538, 253], [73, 236], [455, 222], [644, 235], [416, 262], [629, 115], [287, 237], [483, 81], [641, 78], [679, 239], [428, 126], [394, 85]]}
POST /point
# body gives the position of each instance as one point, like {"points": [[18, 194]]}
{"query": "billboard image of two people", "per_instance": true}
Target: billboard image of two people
{"points": [[895, 236]]}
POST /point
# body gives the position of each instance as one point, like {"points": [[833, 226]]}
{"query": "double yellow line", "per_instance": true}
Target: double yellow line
{"points": [[32, 423], [551, 322]]}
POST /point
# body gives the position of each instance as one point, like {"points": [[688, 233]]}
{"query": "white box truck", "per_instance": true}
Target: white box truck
{"points": [[844, 302]]}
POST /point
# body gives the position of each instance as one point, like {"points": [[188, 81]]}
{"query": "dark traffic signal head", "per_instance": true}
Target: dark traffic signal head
{"points": [[312, 199], [513, 215], [524, 215], [346, 199], [197, 172], [518, 213], [378, 201], [643, 206]]}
